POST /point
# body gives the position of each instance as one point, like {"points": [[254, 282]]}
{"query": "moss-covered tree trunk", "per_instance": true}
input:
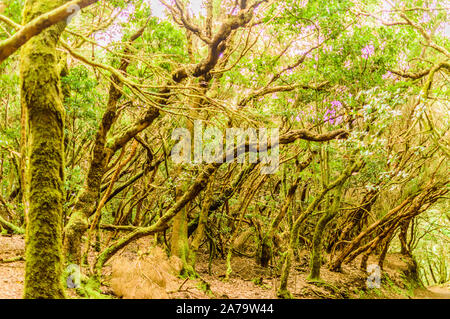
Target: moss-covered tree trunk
{"points": [[403, 238], [316, 256], [87, 200], [265, 249], [179, 243], [201, 229], [89, 197], [41, 95], [283, 291]]}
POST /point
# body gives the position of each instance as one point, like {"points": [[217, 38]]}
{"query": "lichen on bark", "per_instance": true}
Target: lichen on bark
{"points": [[41, 95]]}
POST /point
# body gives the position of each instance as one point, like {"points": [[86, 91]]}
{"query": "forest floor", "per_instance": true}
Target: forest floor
{"points": [[134, 272]]}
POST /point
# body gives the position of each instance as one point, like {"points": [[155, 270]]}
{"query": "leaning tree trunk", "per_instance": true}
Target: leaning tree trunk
{"points": [[316, 256], [180, 244], [41, 95], [265, 250], [283, 291], [88, 199]]}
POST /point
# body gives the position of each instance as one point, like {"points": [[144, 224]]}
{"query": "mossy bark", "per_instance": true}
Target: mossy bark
{"points": [[179, 243], [226, 194], [403, 236], [283, 292], [41, 95], [265, 250], [293, 241], [201, 229], [316, 257], [87, 201], [10, 226]]}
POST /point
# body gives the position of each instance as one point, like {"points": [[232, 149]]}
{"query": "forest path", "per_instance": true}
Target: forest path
{"points": [[12, 274], [241, 285], [434, 292]]}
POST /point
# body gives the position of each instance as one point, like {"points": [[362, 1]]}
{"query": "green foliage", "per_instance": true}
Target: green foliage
{"points": [[305, 65], [82, 100]]}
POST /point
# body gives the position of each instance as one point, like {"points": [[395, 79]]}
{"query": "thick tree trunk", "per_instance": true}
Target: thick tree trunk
{"points": [[403, 236], [283, 292], [316, 256], [179, 245], [41, 95]]}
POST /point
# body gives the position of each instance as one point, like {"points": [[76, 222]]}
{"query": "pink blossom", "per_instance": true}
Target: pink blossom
{"points": [[367, 51], [327, 48], [336, 104], [303, 3], [426, 18], [329, 116], [387, 75], [348, 64]]}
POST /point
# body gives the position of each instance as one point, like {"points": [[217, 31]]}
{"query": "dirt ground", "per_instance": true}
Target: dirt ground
{"points": [[248, 280], [11, 274]]}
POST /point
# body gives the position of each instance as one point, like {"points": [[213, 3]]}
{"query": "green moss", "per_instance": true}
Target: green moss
{"points": [[206, 287], [73, 233], [259, 282], [283, 291], [229, 268], [284, 294], [90, 289], [179, 243], [41, 95], [5, 226]]}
